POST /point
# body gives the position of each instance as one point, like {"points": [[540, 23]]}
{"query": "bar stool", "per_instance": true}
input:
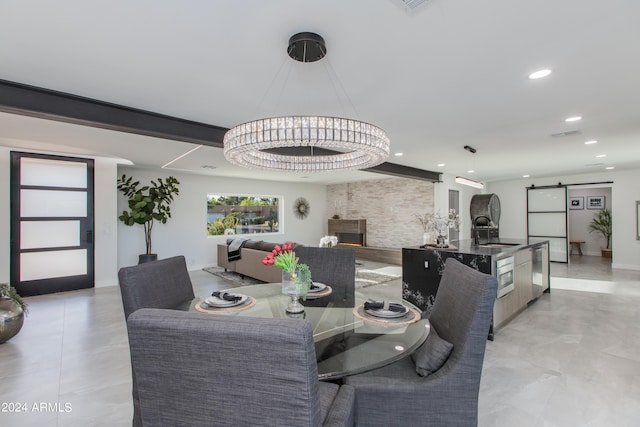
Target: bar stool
{"points": [[577, 245]]}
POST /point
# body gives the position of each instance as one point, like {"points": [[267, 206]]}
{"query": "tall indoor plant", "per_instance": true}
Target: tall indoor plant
{"points": [[601, 223], [147, 204]]}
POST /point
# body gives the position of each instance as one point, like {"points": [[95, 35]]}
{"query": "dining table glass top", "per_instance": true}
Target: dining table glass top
{"points": [[347, 339]]}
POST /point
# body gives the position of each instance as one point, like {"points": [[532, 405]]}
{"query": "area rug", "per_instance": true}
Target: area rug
{"points": [[232, 276], [364, 278]]}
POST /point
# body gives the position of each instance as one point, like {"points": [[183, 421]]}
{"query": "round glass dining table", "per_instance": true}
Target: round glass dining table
{"points": [[347, 340]]}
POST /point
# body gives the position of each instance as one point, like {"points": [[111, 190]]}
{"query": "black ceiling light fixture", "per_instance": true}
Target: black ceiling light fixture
{"points": [[466, 181], [306, 47]]}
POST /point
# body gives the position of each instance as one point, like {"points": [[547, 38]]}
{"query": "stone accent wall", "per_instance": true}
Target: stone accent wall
{"points": [[389, 205]]}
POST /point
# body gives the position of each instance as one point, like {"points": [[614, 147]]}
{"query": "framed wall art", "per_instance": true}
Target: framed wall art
{"points": [[576, 202], [595, 202]]}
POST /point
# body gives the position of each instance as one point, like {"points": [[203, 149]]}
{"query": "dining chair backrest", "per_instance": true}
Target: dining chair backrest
{"points": [[335, 267], [158, 284], [462, 312], [200, 369], [397, 394]]}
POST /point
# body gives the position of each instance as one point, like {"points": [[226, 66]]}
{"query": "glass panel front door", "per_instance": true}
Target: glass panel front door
{"points": [[51, 223]]}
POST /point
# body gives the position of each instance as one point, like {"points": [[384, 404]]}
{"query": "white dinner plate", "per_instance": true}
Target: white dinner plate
{"points": [[221, 303], [320, 287]]}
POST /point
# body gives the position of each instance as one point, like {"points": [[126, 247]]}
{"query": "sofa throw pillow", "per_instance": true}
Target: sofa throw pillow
{"points": [[432, 354]]}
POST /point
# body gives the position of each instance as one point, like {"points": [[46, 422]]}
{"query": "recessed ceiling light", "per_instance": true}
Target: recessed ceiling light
{"points": [[593, 141], [599, 156], [440, 165], [526, 176], [470, 171], [398, 154], [573, 119], [539, 74], [609, 168]]}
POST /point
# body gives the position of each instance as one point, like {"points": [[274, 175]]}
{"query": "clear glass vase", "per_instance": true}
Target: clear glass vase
{"points": [[295, 286], [441, 241]]}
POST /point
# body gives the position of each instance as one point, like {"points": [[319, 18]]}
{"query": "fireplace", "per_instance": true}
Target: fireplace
{"points": [[350, 239], [350, 232]]}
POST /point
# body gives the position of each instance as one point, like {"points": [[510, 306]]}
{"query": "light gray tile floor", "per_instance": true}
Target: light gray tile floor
{"points": [[571, 359]]}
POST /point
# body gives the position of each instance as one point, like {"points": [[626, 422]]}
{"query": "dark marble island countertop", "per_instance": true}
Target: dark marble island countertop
{"points": [[495, 248]]}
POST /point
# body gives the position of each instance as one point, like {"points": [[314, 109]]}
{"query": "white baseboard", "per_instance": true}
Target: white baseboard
{"points": [[618, 266]]}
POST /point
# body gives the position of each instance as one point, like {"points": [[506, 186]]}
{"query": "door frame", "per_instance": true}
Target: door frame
{"points": [[87, 226]]}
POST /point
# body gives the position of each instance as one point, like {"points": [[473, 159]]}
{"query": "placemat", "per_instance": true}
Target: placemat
{"points": [[411, 317], [203, 307], [315, 295]]}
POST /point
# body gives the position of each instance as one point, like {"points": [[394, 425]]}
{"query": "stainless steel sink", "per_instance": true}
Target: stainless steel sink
{"points": [[498, 245]]}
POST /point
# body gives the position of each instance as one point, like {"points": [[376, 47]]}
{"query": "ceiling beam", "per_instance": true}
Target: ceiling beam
{"points": [[42, 103], [405, 172], [32, 101]]}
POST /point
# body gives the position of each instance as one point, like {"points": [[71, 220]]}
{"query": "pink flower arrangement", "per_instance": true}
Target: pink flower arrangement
{"points": [[282, 257]]}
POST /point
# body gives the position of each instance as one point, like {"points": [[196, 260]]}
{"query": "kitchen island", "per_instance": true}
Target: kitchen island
{"points": [[520, 265]]}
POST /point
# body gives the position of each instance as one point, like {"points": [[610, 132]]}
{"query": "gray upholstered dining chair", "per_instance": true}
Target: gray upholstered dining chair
{"points": [[438, 385], [159, 284], [200, 369], [335, 267]]}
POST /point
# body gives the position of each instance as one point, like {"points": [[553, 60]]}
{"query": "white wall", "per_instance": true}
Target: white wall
{"points": [[105, 218], [624, 193], [579, 219], [106, 222], [465, 194], [5, 217], [186, 231]]}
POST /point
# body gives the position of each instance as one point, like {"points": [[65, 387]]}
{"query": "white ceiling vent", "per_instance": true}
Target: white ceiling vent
{"points": [[410, 6], [567, 133]]}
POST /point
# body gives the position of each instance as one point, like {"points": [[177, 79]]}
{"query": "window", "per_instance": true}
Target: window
{"points": [[242, 214]]}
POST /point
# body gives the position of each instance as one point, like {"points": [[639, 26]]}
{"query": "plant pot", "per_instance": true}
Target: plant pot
{"points": [[142, 258], [11, 318], [606, 253]]}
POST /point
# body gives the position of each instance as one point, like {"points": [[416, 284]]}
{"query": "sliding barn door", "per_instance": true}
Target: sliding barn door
{"points": [[547, 219], [52, 246]]}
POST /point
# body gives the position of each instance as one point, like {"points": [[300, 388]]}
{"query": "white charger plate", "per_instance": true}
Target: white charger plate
{"points": [[320, 287], [387, 314], [222, 303]]}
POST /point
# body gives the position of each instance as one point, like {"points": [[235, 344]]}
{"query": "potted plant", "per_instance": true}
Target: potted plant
{"points": [[12, 311], [147, 204], [601, 223]]}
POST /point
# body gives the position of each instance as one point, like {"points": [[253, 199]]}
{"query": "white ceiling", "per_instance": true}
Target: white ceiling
{"points": [[452, 73]]}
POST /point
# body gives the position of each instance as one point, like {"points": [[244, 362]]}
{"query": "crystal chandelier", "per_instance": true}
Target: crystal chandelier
{"points": [[306, 143]]}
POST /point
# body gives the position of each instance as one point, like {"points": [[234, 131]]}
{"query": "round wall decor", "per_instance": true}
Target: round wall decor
{"points": [[301, 208]]}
